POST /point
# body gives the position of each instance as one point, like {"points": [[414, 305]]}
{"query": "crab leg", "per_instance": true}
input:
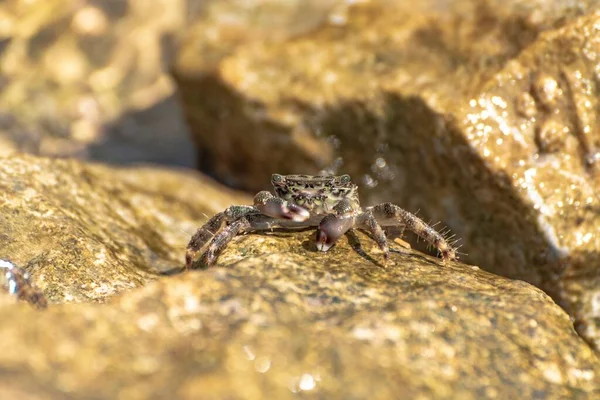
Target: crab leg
{"points": [[388, 214], [372, 226], [202, 236], [221, 240], [210, 229]]}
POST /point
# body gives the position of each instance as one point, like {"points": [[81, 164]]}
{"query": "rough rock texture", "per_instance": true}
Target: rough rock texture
{"points": [[480, 113], [224, 25], [86, 232], [283, 319], [87, 79], [275, 318]]}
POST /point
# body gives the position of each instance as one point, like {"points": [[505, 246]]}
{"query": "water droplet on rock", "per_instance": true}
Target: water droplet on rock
{"points": [[546, 90], [525, 105], [549, 136]]}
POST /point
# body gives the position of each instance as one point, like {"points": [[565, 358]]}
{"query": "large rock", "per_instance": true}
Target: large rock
{"points": [[282, 319], [481, 114], [323, 96], [89, 79], [273, 319], [86, 232], [277, 318]]}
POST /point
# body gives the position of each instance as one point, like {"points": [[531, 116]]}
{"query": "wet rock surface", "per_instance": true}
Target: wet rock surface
{"points": [[274, 318], [480, 114], [277, 318], [87, 232], [303, 96], [419, 104]]}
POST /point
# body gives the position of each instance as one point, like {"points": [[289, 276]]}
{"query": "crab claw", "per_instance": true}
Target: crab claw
{"points": [[297, 213], [331, 229], [286, 211]]}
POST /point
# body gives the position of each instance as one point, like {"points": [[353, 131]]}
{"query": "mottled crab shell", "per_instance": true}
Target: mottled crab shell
{"points": [[318, 194]]}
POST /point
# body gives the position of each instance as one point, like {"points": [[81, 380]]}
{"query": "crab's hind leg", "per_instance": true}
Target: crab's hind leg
{"points": [[390, 214], [276, 207], [220, 240], [335, 225], [202, 236], [208, 231]]}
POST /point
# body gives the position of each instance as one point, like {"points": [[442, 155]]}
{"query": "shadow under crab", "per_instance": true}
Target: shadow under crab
{"points": [[329, 203]]}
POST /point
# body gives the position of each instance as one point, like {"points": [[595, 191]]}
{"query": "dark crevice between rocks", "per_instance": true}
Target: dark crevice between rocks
{"points": [[155, 135], [223, 113]]}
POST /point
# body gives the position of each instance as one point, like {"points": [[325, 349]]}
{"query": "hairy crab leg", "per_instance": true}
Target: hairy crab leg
{"points": [[208, 231], [251, 222], [388, 214], [202, 236], [276, 207], [221, 240], [369, 223]]}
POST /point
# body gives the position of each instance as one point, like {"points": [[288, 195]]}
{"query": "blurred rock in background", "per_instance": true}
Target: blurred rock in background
{"points": [[89, 79]]}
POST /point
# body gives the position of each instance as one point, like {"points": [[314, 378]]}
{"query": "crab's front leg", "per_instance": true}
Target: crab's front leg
{"points": [[387, 214], [335, 225], [278, 208]]}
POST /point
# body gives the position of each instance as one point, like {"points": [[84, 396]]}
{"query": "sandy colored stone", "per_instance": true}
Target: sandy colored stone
{"points": [[278, 318], [87, 232], [273, 319], [326, 96], [481, 114]]}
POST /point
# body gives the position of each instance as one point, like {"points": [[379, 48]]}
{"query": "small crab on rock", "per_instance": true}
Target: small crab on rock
{"points": [[328, 202]]}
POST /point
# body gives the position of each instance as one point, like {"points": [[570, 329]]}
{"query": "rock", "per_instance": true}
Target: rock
{"points": [[480, 114], [309, 95], [546, 161], [273, 319], [278, 318], [88, 79], [87, 232]]}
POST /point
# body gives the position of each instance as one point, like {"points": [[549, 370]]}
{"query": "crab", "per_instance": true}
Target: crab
{"points": [[328, 202]]}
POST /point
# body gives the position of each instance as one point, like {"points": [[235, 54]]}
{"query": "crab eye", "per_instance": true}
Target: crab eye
{"points": [[345, 179], [276, 178]]}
